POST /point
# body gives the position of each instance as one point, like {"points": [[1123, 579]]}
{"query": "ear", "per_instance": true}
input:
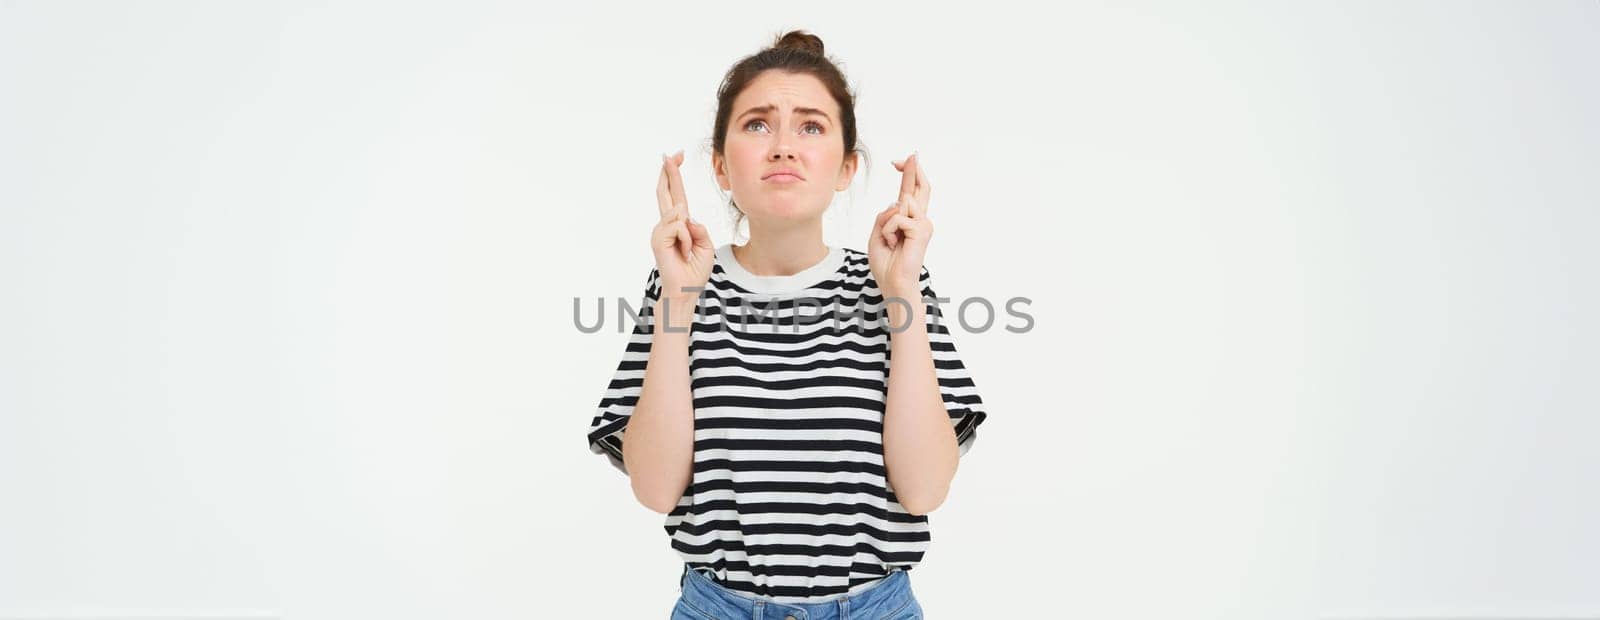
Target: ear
{"points": [[719, 166], [847, 171]]}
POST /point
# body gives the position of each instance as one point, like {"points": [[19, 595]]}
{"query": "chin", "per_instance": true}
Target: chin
{"points": [[787, 208]]}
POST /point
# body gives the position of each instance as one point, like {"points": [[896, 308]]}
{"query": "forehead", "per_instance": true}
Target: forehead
{"points": [[786, 90]]}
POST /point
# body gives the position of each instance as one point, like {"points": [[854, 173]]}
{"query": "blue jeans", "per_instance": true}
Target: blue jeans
{"points": [[704, 599]]}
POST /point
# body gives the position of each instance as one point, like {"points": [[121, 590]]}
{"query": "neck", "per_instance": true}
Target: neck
{"points": [[785, 251]]}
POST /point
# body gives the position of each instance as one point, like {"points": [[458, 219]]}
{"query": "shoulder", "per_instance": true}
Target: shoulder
{"points": [[857, 264], [855, 259]]}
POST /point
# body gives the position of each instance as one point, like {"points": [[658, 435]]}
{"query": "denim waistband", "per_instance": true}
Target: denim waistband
{"points": [[882, 599]]}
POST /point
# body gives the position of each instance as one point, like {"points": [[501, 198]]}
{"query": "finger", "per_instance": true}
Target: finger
{"points": [[924, 189], [908, 177], [702, 237], [663, 191], [666, 235], [683, 239], [908, 205], [898, 223], [883, 216], [675, 182], [895, 228]]}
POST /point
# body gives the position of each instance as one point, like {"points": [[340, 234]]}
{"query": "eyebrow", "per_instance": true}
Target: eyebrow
{"points": [[769, 108]]}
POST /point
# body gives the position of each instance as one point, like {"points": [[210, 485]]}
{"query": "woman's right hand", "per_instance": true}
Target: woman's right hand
{"points": [[682, 246]]}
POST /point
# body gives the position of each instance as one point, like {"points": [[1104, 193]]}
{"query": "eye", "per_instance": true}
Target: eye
{"points": [[815, 124], [753, 122]]}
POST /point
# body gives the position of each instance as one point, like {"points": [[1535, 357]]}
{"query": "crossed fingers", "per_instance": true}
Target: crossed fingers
{"points": [[669, 189], [914, 187]]}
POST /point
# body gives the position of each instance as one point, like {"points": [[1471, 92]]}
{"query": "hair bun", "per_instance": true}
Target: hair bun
{"points": [[799, 40]]}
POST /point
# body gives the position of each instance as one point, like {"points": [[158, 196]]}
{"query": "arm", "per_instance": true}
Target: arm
{"points": [[920, 451], [659, 450], [919, 444]]}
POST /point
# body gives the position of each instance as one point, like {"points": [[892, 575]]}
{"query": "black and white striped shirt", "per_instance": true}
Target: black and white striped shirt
{"points": [[789, 498]]}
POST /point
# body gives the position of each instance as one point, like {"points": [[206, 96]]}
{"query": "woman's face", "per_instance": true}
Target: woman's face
{"points": [[784, 154]]}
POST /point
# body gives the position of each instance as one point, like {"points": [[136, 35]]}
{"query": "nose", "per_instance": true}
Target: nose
{"points": [[781, 153]]}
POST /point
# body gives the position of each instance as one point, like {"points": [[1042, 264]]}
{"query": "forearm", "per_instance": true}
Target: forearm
{"points": [[658, 444], [919, 443]]}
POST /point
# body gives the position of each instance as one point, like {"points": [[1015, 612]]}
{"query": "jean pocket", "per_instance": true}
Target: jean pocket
{"points": [[909, 611], [684, 611]]}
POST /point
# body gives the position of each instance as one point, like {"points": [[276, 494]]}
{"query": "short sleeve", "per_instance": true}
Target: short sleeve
{"points": [[956, 387], [622, 393]]}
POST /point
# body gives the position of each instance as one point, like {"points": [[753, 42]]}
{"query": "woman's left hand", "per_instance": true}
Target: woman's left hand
{"points": [[900, 235]]}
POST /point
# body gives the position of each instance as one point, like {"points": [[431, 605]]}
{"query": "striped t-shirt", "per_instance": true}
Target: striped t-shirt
{"points": [[789, 499]]}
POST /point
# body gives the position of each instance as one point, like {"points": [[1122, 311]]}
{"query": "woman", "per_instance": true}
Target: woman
{"points": [[795, 453]]}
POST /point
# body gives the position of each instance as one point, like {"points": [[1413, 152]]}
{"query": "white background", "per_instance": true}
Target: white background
{"points": [[286, 301]]}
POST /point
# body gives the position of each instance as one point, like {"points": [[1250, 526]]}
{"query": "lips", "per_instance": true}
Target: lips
{"points": [[783, 175]]}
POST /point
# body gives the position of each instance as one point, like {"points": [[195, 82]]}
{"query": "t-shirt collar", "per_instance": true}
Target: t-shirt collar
{"points": [[806, 278]]}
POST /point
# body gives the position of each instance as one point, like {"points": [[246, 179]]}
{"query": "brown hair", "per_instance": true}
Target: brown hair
{"points": [[796, 51]]}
